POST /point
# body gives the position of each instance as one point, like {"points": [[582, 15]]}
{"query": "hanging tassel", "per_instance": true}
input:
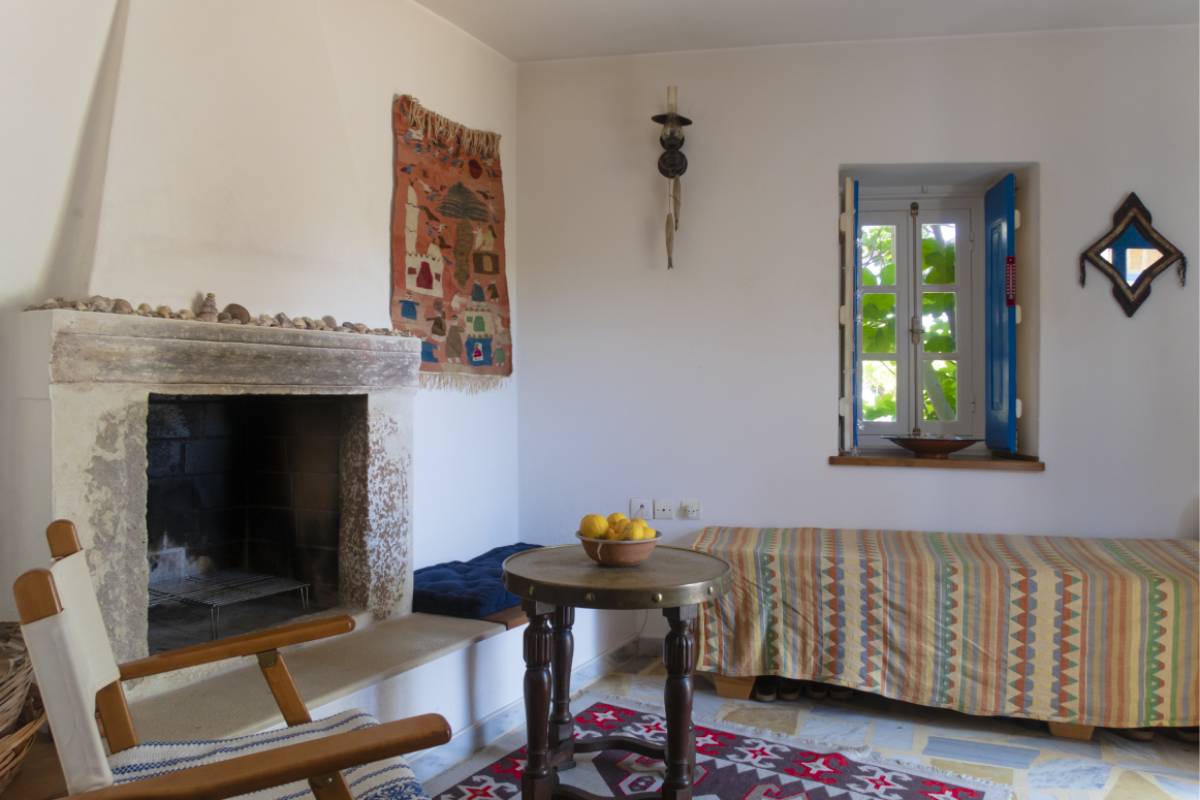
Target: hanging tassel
{"points": [[676, 193], [670, 240]]}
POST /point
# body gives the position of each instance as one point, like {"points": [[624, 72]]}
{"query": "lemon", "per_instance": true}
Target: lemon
{"points": [[616, 517], [634, 529], [616, 530], [649, 533], [593, 526]]}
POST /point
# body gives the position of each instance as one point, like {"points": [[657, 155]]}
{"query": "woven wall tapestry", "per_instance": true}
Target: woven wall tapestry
{"points": [[448, 267]]}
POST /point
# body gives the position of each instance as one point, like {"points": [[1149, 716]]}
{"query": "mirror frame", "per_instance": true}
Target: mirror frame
{"points": [[1131, 296]]}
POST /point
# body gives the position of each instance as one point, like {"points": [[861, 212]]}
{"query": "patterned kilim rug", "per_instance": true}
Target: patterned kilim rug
{"points": [[729, 766]]}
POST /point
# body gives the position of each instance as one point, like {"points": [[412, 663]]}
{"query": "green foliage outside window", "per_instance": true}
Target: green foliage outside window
{"points": [[879, 391], [937, 253], [879, 325], [877, 249], [944, 376]]}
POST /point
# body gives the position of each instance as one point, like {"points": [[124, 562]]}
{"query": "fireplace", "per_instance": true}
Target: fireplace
{"points": [[243, 510], [189, 430]]}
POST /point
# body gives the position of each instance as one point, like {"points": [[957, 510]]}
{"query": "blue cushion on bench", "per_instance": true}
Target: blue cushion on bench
{"points": [[471, 589]]}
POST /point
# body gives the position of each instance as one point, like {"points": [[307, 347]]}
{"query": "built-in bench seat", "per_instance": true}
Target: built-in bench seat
{"points": [[472, 589], [1075, 632]]}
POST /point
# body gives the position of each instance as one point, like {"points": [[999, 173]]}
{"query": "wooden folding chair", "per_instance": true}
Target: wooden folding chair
{"points": [[80, 684]]}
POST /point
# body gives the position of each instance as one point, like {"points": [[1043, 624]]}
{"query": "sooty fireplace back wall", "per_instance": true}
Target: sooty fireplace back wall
{"points": [[249, 482]]}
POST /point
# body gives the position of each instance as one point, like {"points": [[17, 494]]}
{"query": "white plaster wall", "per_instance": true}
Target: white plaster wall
{"points": [[50, 54], [719, 380], [250, 156]]}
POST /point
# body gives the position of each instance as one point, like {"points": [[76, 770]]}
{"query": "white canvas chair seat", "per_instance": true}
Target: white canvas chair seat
{"points": [[383, 780]]}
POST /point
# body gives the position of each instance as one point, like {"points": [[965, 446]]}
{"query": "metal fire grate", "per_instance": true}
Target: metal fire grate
{"points": [[220, 588]]}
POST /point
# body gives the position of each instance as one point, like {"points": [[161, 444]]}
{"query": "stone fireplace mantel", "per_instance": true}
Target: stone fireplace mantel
{"points": [[114, 348], [93, 374]]}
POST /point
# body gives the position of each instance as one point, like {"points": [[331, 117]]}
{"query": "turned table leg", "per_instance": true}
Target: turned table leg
{"points": [[679, 655], [537, 783], [562, 724]]}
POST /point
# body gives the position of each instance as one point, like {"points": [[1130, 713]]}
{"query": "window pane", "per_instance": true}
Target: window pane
{"points": [[937, 253], [879, 391], [878, 252], [940, 391], [878, 330], [939, 321]]}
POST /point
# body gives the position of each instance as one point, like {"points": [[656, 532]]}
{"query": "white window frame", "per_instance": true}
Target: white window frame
{"points": [[902, 222], [963, 208]]}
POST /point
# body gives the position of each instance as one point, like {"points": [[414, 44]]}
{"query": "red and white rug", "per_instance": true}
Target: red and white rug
{"points": [[729, 766]]}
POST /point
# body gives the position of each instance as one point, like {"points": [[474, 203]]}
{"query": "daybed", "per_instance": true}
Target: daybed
{"points": [[1075, 632]]}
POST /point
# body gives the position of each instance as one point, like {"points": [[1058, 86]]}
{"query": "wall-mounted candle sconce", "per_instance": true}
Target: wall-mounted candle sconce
{"points": [[672, 163]]}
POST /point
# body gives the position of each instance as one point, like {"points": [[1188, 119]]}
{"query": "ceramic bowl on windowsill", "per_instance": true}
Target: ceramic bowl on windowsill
{"points": [[618, 552], [933, 446]]}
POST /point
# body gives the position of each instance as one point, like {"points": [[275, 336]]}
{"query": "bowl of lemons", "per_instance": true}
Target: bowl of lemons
{"points": [[616, 540]]}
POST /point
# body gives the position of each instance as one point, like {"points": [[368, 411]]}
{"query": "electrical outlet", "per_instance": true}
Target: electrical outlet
{"points": [[640, 507], [664, 509], [689, 509]]}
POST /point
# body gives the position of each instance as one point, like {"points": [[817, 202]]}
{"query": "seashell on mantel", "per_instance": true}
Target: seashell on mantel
{"points": [[238, 312]]}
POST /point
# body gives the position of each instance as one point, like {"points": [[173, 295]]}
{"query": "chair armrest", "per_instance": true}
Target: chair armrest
{"points": [[248, 644], [284, 764]]}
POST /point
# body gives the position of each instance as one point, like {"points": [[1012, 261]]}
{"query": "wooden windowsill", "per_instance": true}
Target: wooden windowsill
{"points": [[1023, 464]]}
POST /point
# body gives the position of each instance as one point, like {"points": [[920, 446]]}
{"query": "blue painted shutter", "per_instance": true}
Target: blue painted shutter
{"points": [[1000, 333]]}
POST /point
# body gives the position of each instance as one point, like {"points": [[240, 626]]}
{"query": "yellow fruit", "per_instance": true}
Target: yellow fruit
{"points": [[633, 529], [616, 530], [649, 533], [616, 517], [593, 526]]}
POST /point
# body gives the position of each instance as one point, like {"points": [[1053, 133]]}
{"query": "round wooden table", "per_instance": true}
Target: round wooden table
{"points": [[552, 582]]}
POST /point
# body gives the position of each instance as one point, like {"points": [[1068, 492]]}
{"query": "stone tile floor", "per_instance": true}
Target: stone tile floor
{"points": [[1015, 753], [1012, 752]]}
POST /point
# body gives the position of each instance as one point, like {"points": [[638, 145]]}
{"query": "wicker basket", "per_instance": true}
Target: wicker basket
{"points": [[16, 674], [21, 713], [14, 746]]}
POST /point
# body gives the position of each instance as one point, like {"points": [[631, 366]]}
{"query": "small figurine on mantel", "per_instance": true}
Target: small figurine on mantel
{"points": [[208, 308]]}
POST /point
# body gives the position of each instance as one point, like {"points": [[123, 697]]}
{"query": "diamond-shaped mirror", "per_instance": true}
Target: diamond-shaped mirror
{"points": [[1132, 254]]}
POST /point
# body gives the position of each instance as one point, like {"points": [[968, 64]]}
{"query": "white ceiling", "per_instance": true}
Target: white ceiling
{"points": [[535, 30]]}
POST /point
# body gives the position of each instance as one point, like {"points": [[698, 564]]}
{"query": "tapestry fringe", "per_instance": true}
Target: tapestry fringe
{"points": [[485, 144], [459, 382]]}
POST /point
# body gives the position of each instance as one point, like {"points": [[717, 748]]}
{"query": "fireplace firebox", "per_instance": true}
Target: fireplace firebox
{"points": [[242, 511]]}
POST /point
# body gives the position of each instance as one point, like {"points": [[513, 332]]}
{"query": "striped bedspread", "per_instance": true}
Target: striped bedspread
{"points": [[1086, 631]]}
